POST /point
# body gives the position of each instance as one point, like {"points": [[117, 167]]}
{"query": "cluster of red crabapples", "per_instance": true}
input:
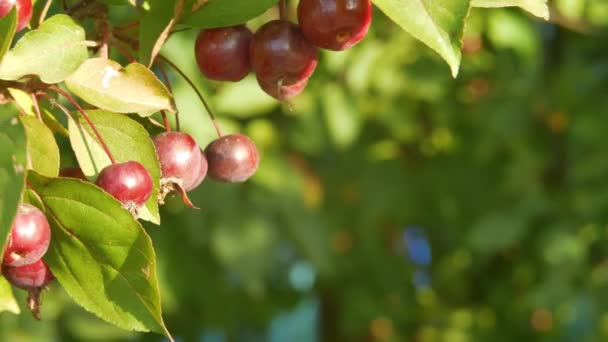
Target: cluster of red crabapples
{"points": [[230, 158], [27, 242], [184, 165], [283, 55]]}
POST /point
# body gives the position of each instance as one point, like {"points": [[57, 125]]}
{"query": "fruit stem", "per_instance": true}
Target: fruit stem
{"points": [[104, 29], [36, 107], [33, 302], [165, 121], [116, 44], [198, 93], [163, 72], [283, 10], [128, 26], [87, 118]]}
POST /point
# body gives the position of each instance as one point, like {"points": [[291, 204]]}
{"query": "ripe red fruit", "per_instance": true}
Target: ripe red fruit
{"points": [[24, 11], [232, 158], [202, 172], [335, 24], [29, 237], [28, 277], [129, 182], [180, 157], [283, 92], [222, 54], [282, 58]]}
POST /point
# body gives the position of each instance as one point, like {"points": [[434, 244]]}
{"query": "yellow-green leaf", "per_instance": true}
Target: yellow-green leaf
{"points": [[437, 23]]}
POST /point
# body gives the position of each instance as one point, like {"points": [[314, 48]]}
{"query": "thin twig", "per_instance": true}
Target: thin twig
{"points": [[134, 43], [90, 43], [88, 119], [59, 105], [115, 43], [166, 121], [163, 72], [106, 33], [128, 26], [198, 93], [283, 15], [44, 11], [36, 107]]}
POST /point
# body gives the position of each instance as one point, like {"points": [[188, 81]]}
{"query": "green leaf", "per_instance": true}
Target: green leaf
{"points": [[51, 52], [47, 109], [12, 168], [23, 100], [538, 8], [42, 149], [221, 13], [437, 23], [8, 24], [134, 89], [7, 299], [100, 254], [127, 140]]}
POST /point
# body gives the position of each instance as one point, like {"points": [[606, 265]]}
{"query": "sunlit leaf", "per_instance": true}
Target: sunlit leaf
{"points": [[42, 150], [537, 7], [134, 89], [100, 254], [437, 23], [51, 52]]}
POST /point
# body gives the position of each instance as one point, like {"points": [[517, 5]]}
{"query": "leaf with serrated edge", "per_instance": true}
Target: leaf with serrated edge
{"points": [[7, 299], [437, 23], [134, 89], [8, 24], [126, 139], [220, 13], [100, 254], [52, 52], [42, 149], [538, 8], [12, 168]]}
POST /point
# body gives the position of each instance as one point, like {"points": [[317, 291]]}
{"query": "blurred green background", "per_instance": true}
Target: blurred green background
{"points": [[393, 202]]}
